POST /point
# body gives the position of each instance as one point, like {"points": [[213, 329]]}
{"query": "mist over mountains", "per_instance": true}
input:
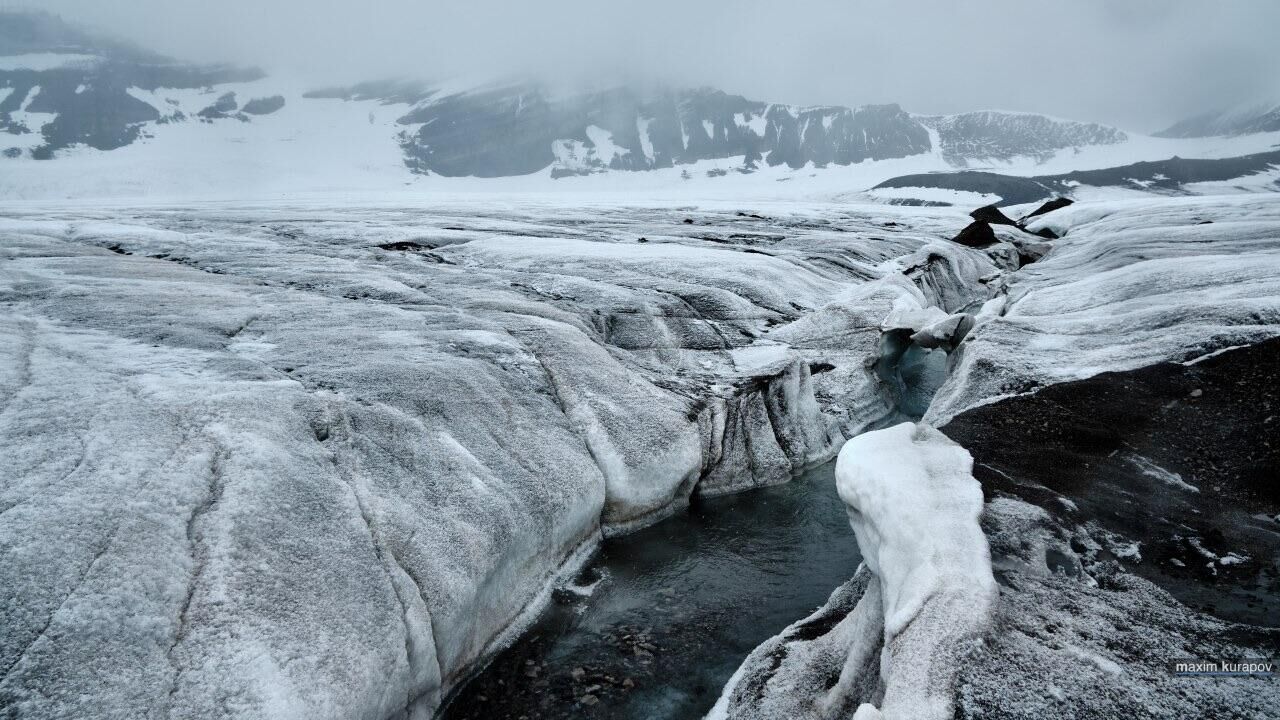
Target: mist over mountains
{"points": [[66, 93]]}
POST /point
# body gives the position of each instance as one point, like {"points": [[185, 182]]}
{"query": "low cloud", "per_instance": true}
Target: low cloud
{"points": [[1140, 64]]}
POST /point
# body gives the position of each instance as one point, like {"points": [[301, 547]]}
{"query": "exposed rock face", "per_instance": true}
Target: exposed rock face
{"points": [[1012, 190], [1054, 204], [86, 99], [223, 107], [520, 129], [105, 95], [991, 215], [1001, 136], [976, 234]]}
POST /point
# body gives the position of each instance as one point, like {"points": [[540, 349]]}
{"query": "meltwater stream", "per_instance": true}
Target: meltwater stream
{"points": [[673, 609]]}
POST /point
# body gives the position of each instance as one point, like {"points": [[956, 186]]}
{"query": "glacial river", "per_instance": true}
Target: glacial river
{"points": [[665, 615]]}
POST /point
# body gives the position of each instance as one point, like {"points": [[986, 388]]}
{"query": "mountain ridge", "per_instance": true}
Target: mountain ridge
{"points": [[62, 87]]}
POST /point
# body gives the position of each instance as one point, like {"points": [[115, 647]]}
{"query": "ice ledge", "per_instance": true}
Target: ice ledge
{"points": [[924, 596]]}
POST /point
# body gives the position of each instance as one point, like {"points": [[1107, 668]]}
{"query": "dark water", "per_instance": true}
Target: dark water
{"points": [[674, 609]]}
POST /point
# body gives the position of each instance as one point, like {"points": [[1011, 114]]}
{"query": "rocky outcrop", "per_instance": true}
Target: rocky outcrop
{"points": [[87, 99], [106, 96], [264, 105], [992, 135], [976, 234], [522, 128], [991, 215], [1173, 176]]}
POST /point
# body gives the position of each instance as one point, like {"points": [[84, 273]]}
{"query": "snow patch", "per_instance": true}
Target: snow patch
{"points": [[755, 124], [605, 148], [646, 142]]}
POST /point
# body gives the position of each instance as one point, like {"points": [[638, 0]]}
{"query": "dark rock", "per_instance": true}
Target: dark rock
{"points": [[992, 134], [221, 108], [1012, 190], [1054, 204], [406, 246], [264, 106], [1173, 457], [976, 234], [1163, 175], [991, 214]]}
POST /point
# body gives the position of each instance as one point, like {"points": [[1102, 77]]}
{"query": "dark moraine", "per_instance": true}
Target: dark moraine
{"points": [[1168, 176], [674, 610], [1182, 459]]}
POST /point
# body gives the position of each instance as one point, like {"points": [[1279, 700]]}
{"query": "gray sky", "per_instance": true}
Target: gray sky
{"points": [[1140, 64]]}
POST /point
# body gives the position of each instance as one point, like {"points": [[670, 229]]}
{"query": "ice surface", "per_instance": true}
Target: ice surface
{"points": [[889, 643], [1130, 284], [298, 461], [282, 460], [914, 507]]}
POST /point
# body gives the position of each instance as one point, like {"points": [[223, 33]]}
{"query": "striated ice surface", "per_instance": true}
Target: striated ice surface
{"points": [[1129, 284], [279, 460]]}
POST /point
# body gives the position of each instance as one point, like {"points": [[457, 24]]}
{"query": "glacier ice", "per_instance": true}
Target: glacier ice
{"points": [[280, 460]]}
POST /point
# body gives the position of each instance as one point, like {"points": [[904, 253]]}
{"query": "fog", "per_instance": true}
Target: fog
{"points": [[1139, 64]]}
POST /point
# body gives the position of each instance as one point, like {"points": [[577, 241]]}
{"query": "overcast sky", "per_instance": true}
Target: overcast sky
{"points": [[1140, 64]]}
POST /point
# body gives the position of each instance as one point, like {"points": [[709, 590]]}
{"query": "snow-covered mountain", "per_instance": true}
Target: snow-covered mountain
{"points": [[1257, 118], [61, 87], [65, 92], [82, 116], [1007, 135]]}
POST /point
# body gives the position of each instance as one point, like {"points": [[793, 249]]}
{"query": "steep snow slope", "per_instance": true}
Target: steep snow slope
{"points": [[1258, 118]]}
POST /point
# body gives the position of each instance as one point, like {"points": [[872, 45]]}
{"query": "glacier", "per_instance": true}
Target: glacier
{"points": [[282, 460], [277, 459]]}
